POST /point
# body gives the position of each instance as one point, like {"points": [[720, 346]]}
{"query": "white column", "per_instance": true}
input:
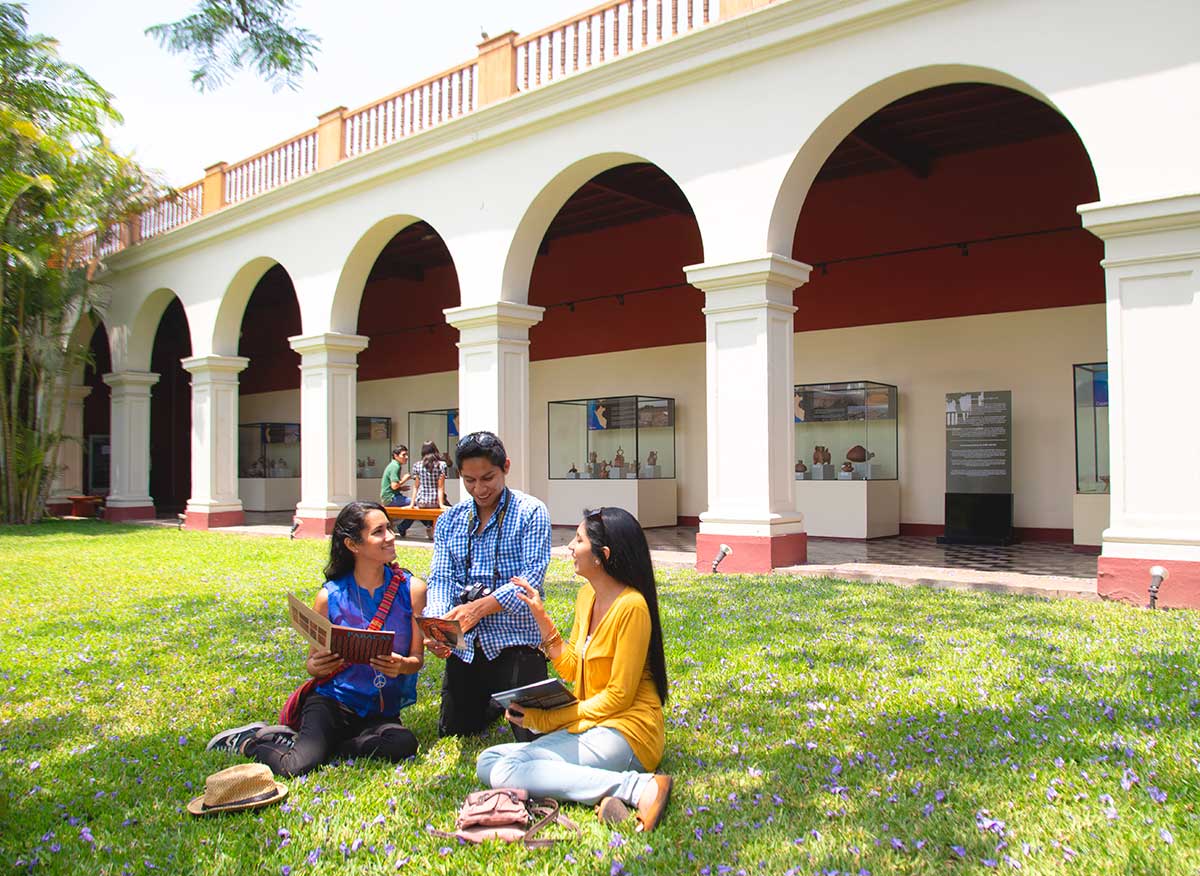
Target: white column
{"points": [[493, 376], [328, 406], [214, 500], [748, 316], [68, 458], [1152, 277], [129, 494]]}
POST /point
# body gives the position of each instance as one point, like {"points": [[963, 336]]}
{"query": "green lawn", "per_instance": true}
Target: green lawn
{"points": [[814, 726]]}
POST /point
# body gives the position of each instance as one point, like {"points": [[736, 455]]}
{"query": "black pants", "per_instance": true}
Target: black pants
{"points": [[328, 728], [467, 689]]}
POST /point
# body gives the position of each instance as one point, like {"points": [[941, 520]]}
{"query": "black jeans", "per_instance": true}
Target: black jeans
{"points": [[467, 689], [328, 728]]}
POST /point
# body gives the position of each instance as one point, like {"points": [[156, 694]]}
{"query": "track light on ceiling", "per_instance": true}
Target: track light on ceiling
{"points": [[963, 250], [621, 300], [571, 306]]}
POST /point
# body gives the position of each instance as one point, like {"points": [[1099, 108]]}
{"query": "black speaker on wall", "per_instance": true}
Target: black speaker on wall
{"points": [[979, 518]]}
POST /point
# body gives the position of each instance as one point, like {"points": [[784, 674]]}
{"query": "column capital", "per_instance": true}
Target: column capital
{"points": [[130, 381], [501, 313], [1108, 221], [766, 281], [215, 367], [329, 348]]}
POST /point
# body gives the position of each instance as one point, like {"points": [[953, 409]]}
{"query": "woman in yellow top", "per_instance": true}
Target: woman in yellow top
{"points": [[603, 747]]}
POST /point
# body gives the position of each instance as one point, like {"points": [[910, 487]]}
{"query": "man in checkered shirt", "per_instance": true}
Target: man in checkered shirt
{"points": [[480, 544]]}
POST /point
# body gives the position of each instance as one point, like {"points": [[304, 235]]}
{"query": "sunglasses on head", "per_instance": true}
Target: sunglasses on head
{"points": [[477, 439]]}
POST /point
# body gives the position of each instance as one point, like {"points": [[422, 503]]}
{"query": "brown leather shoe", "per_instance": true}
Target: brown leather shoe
{"points": [[651, 806], [612, 811]]}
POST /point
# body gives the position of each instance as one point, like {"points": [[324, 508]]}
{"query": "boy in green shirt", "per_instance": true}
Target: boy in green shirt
{"points": [[393, 481]]}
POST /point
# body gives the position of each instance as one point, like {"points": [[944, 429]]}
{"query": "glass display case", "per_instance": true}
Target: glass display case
{"points": [[846, 431], [440, 427], [1091, 428], [269, 450], [373, 447], [630, 437]]}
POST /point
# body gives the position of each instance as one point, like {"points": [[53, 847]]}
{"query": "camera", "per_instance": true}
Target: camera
{"points": [[474, 591]]}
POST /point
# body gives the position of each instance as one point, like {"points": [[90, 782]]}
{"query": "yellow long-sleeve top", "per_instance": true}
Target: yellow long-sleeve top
{"points": [[612, 682]]}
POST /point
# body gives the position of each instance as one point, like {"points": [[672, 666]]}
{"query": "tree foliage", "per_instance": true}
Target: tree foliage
{"points": [[59, 181], [228, 35]]}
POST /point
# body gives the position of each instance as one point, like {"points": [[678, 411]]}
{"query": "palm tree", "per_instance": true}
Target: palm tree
{"points": [[60, 180]]}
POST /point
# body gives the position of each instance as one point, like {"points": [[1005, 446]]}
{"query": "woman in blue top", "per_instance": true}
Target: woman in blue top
{"points": [[354, 712]]}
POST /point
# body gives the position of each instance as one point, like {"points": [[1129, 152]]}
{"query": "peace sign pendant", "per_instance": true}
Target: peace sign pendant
{"points": [[380, 681]]}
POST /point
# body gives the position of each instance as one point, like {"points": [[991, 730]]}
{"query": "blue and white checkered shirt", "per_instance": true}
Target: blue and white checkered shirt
{"points": [[524, 551]]}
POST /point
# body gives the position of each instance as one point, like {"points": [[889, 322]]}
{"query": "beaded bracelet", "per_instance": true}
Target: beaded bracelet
{"points": [[549, 643]]}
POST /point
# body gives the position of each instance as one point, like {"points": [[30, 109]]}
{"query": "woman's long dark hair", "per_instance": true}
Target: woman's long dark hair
{"points": [[430, 457], [628, 561], [349, 525]]}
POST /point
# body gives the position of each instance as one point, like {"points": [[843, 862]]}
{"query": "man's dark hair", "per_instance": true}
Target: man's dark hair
{"points": [[480, 444], [398, 449]]}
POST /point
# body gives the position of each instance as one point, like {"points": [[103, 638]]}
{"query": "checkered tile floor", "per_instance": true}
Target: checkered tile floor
{"points": [[1031, 558]]}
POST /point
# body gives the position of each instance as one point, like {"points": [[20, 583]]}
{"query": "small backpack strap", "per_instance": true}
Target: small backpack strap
{"points": [[547, 809]]}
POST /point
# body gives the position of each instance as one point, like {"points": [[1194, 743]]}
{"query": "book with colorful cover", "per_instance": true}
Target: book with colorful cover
{"points": [[352, 644], [439, 629]]}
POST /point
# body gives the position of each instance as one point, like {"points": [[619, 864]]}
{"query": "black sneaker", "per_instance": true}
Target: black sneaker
{"points": [[277, 735], [233, 739]]}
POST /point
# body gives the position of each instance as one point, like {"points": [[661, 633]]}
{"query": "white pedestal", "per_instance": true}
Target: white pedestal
{"points": [[849, 509], [652, 502], [822, 472], [1090, 517], [271, 494]]}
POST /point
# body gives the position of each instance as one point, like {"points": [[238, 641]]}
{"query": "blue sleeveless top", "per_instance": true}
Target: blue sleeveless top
{"points": [[354, 687]]}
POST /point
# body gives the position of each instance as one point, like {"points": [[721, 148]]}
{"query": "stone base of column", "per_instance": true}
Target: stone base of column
{"points": [[117, 513], [1128, 580], [213, 517], [752, 554], [314, 527]]}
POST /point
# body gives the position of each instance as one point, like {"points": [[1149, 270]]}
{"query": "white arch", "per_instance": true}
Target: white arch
{"points": [[352, 281], [135, 341], [227, 327], [523, 248], [812, 155]]}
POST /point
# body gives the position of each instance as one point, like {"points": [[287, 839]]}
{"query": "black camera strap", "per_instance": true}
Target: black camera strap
{"points": [[499, 533]]}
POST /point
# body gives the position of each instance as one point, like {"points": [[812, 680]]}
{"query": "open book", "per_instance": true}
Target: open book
{"points": [[548, 694], [354, 645], [448, 632]]}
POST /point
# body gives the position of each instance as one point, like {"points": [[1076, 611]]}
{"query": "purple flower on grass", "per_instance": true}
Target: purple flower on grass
{"points": [[959, 850], [1157, 795], [1166, 836], [85, 834]]}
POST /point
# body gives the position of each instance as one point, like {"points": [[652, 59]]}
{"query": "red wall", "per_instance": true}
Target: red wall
{"points": [[395, 314], [640, 255], [272, 316], [1008, 189]]}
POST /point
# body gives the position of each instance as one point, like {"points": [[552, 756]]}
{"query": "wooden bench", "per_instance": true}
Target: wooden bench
{"points": [[85, 506], [410, 513]]}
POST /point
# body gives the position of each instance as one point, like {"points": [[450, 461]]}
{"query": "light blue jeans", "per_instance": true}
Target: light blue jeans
{"points": [[579, 767]]}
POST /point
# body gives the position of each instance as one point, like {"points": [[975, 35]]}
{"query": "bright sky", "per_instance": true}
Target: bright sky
{"points": [[369, 48]]}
